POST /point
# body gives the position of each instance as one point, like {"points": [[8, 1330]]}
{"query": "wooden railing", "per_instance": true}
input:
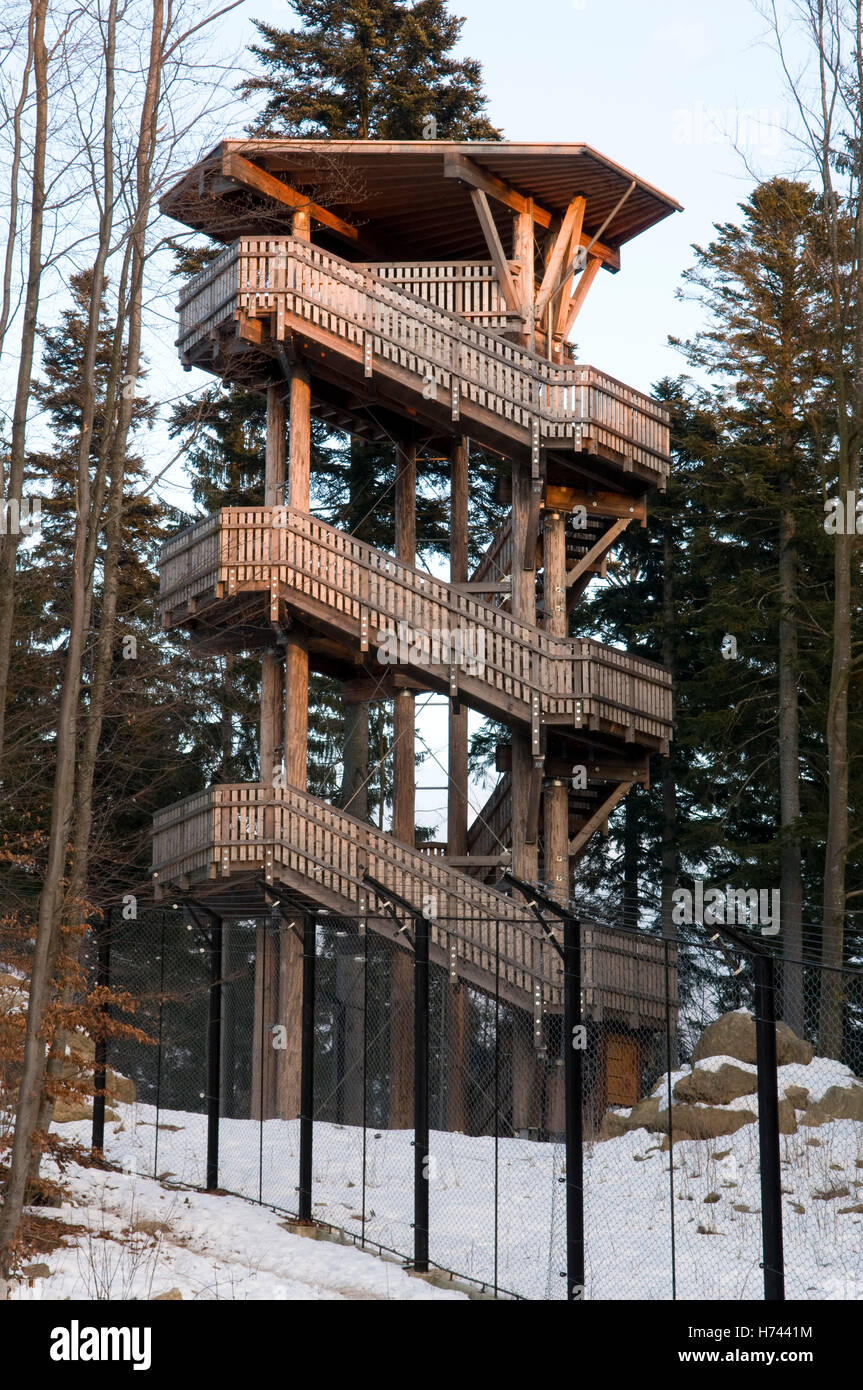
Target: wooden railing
{"points": [[469, 289], [496, 564], [491, 827], [321, 570], [281, 279], [286, 835]]}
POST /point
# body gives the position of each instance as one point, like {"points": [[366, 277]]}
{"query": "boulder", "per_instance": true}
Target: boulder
{"points": [[733, 1035], [787, 1118], [120, 1088], [172, 1296], [798, 1096], [67, 1112], [837, 1103], [791, 1049], [702, 1121], [717, 1087], [643, 1115], [612, 1125], [843, 1103]]}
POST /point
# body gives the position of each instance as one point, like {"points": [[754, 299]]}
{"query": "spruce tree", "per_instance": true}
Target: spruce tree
{"points": [[370, 69]]}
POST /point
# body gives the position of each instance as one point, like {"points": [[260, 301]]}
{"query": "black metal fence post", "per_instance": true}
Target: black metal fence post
{"points": [[100, 1072], [421, 1095], [768, 1128], [574, 1108], [307, 1067], [214, 1053]]}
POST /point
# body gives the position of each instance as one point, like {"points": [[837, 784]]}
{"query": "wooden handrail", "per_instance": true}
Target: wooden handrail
{"points": [[279, 275], [323, 852], [247, 547]]}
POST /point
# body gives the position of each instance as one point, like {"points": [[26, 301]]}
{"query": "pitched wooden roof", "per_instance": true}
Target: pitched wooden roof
{"points": [[407, 198]]}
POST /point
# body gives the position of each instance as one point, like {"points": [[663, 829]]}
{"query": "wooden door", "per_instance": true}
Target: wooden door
{"points": [[621, 1070]]}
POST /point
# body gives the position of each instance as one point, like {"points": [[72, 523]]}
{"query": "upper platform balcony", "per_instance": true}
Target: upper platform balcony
{"points": [[424, 339]]}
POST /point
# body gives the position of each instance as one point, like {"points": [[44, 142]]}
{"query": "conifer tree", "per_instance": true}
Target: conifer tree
{"points": [[369, 69]]}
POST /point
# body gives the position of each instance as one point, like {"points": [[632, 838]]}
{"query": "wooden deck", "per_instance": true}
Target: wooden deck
{"points": [[456, 368], [447, 639], [319, 854]]}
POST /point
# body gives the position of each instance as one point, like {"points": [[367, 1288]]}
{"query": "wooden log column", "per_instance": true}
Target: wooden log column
{"points": [[556, 791], [404, 811], [272, 693], [525, 859], [458, 573], [264, 1063], [523, 255], [299, 488], [458, 998], [290, 1012]]}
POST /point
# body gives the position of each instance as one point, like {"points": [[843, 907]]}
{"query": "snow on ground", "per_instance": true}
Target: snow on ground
{"points": [[242, 1252], [142, 1239]]}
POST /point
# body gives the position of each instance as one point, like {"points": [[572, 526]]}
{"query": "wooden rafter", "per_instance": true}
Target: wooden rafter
{"points": [[235, 166], [458, 166], [601, 814], [496, 251]]}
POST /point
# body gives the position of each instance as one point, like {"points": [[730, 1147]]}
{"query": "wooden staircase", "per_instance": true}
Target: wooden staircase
{"points": [[262, 292], [235, 575], [226, 844], [432, 355]]}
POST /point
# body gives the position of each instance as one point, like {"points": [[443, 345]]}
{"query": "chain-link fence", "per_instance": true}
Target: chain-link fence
{"points": [[684, 1143]]}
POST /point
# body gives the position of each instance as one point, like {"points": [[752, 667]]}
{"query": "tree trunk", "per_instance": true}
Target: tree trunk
{"points": [[669, 858], [18, 443], [790, 870]]}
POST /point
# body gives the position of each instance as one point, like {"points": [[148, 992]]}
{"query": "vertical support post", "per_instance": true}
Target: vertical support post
{"points": [[456, 819], [524, 853], [523, 253], [307, 1068], [404, 806], [556, 838], [296, 730], [100, 1073], [556, 807], [271, 709], [296, 721], [214, 1053], [574, 1084], [271, 666], [288, 1009], [768, 1128], [421, 1095]]}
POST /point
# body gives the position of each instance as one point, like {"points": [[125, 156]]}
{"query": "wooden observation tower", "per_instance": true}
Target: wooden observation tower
{"points": [[423, 292]]}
